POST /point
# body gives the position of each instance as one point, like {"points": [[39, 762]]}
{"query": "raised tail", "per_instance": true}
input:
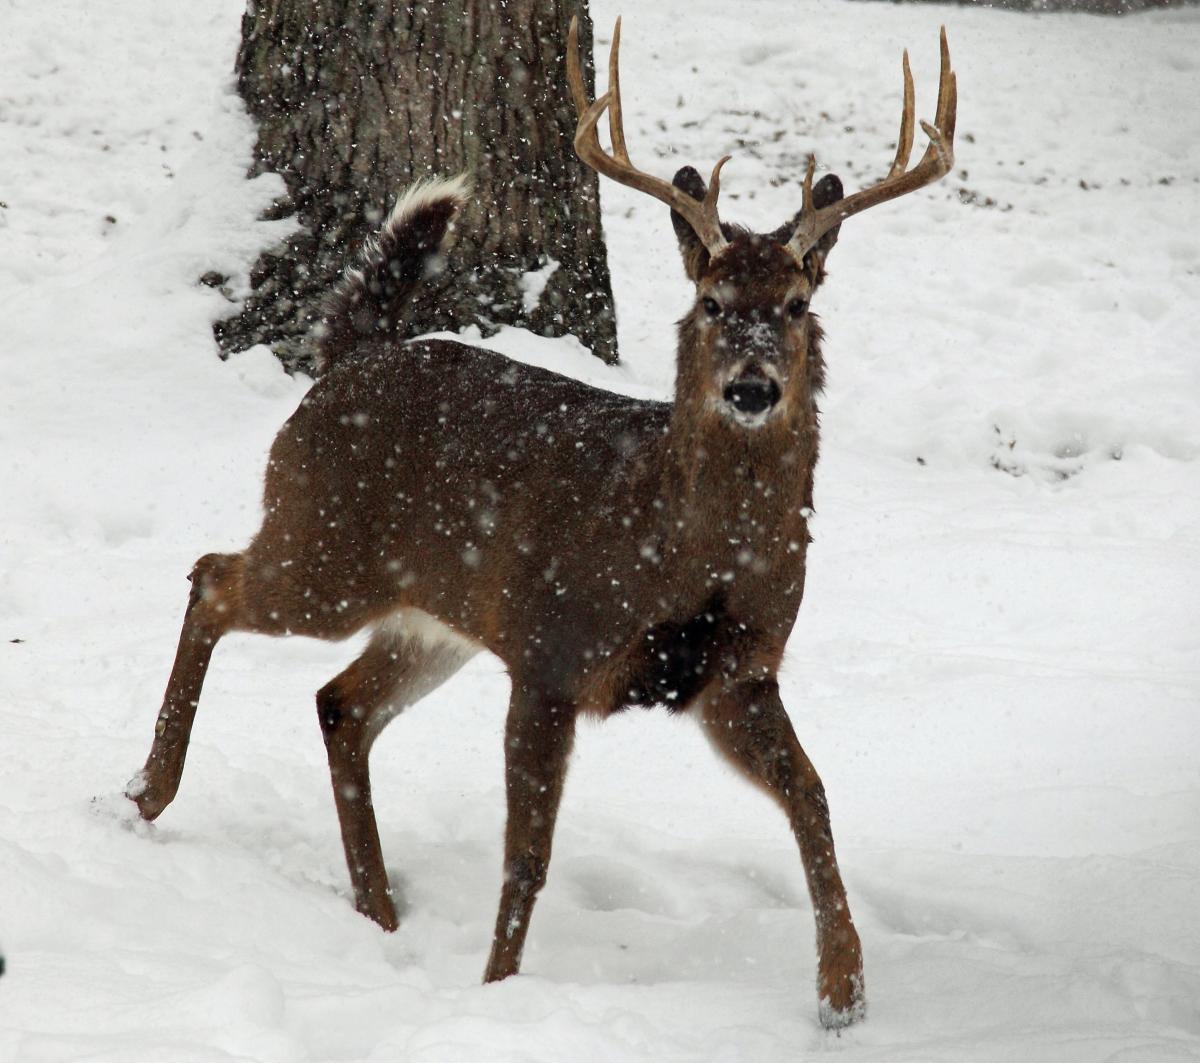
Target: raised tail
{"points": [[370, 298]]}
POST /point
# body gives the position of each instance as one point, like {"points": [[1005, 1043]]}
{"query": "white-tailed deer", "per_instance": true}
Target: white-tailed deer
{"points": [[610, 551]]}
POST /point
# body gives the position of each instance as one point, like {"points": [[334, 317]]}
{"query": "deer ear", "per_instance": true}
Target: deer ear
{"points": [[695, 256], [826, 191]]}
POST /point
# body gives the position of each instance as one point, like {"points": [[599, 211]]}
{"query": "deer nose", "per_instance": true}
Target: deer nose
{"points": [[752, 394]]}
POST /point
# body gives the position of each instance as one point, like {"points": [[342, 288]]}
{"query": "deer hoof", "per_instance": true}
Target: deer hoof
{"points": [[841, 1009], [497, 973], [142, 793], [841, 991], [381, 911], [387, 921]]}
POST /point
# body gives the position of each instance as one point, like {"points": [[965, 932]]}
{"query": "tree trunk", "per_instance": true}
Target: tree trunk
{"points": [[357, 99]]}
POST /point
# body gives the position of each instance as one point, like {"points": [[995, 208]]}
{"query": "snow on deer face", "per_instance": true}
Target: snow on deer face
{"points": [[748, 331], [749, 343]]}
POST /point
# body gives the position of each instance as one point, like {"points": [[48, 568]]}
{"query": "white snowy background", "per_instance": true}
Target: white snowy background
{"points": [[995, 669]]}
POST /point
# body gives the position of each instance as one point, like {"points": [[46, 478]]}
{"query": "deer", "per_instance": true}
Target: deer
{"points": [[609, 551]]}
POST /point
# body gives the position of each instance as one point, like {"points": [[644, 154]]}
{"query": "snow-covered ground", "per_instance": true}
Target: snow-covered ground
{"points": [[996, 667]]}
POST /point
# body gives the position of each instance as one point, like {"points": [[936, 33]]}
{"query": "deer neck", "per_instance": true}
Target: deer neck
{"points": [[733, 496]]}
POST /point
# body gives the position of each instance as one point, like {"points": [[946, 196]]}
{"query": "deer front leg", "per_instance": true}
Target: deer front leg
{"points": [[747, 723], [538, 737]]}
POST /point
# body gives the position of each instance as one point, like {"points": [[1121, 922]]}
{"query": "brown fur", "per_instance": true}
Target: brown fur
{"points": [[610, 551]]}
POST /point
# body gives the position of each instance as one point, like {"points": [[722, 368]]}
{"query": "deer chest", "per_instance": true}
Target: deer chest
{"points": [[671, 662]]}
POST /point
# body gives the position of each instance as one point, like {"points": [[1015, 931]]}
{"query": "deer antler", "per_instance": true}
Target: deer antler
{"points": [[701, 215], [934, 164]]}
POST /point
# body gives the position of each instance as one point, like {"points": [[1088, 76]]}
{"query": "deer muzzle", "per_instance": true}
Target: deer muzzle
{"points": [[751, 396]]}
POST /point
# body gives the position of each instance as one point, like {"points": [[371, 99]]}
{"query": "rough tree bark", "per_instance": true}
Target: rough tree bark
{"points": [[357, 99]]}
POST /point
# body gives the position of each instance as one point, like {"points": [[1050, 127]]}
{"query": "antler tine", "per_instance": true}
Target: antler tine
{"points": [[941, 133], [701, 215], [616, 123], [934, 164], [574, 71], [947, 107], [714, 186], [905, 141], [807, 205]]}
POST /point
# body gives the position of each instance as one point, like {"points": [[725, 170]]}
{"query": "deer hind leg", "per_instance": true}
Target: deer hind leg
{"points": [[215, 607], [748, 724], [399, 667], [538, 738]]}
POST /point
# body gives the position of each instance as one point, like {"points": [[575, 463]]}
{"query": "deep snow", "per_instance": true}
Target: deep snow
{"points": [[995, 669]]}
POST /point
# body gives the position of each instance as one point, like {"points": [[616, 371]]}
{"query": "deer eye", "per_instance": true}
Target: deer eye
{"points": [[796, 308], [711, 307]]}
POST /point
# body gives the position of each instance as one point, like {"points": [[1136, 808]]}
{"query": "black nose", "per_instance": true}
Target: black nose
{"points": [[752, 394]]}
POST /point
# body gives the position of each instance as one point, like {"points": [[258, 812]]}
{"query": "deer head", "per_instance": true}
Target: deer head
{"points": [[749, 349]]}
